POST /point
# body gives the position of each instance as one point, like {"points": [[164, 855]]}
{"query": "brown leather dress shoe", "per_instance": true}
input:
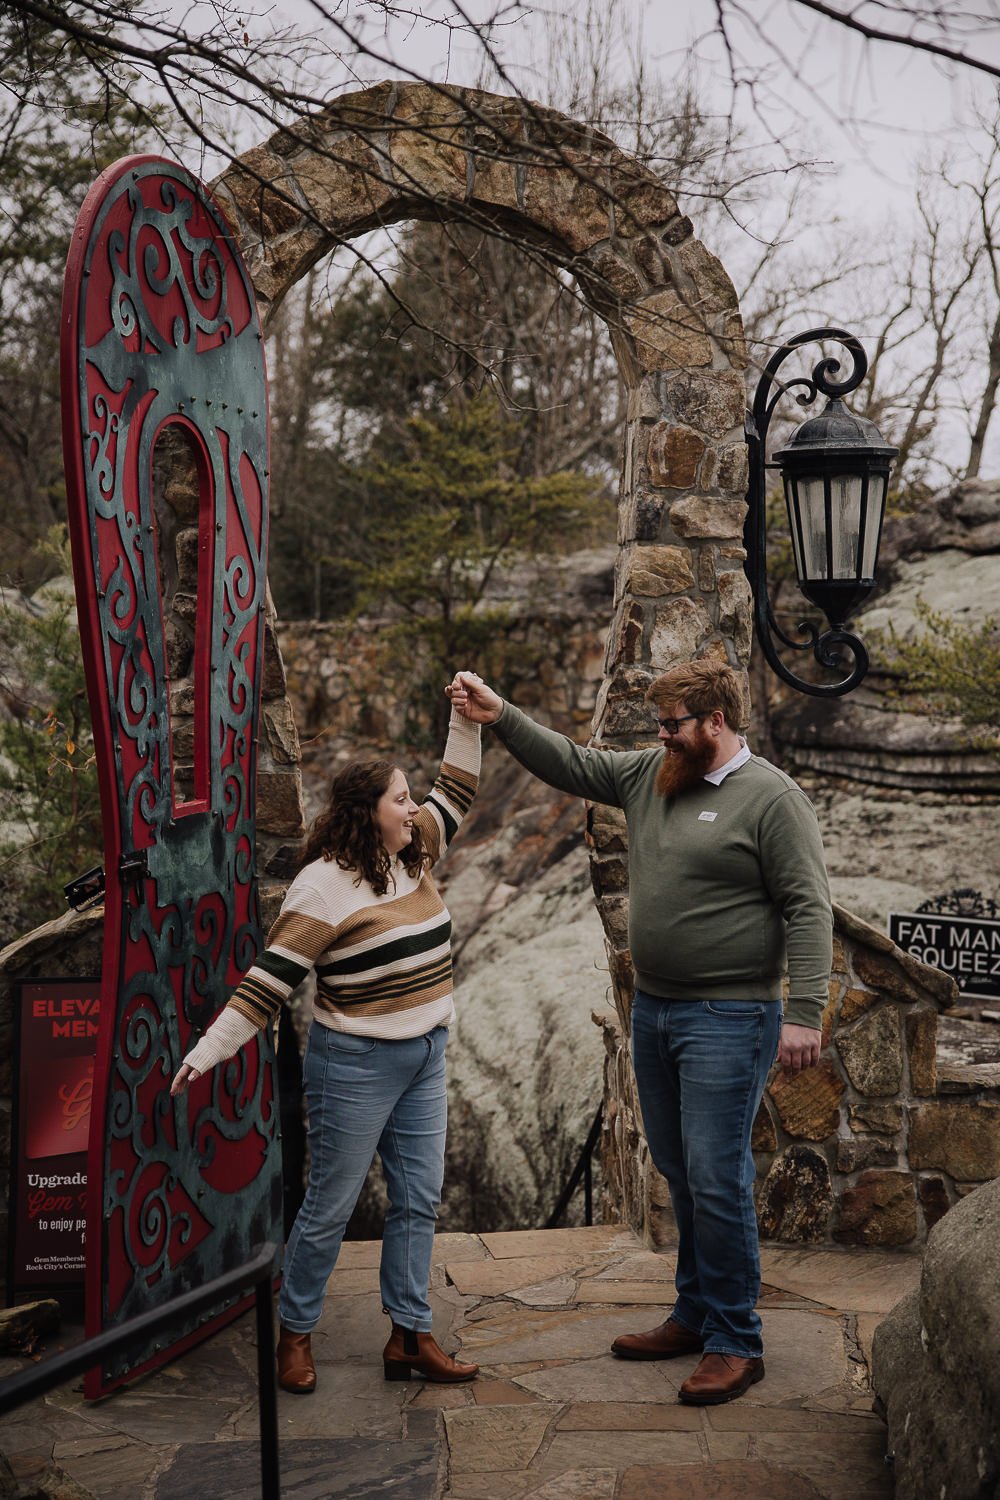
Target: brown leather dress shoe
{"points": [[411, 1353], [719, 1378], [296, 1371], [665, 1342]]}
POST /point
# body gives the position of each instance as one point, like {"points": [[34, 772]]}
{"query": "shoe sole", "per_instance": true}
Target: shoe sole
{"points": [[654, 1353], [397, 1370], [722, 1398]]}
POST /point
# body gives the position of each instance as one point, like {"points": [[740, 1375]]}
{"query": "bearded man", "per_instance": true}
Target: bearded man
{"points": [[727, 888]]}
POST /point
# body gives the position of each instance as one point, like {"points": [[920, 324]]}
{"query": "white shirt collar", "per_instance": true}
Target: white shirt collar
{"points": [[739, 759]]}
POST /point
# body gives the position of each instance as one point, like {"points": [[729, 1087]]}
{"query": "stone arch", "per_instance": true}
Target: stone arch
{"points": [[403, 151]]}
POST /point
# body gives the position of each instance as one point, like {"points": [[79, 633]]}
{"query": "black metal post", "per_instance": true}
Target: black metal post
{"points": [[256, 1273], [267, 1395]]}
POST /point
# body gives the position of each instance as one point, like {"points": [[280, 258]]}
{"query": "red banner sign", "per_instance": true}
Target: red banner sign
{"points": [[57, 1031]]}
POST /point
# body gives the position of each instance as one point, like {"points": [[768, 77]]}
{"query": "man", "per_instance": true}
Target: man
{"points": [[726, 880]]}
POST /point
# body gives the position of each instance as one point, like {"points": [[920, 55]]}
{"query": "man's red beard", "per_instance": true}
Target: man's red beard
{"points": [[684, 765]]}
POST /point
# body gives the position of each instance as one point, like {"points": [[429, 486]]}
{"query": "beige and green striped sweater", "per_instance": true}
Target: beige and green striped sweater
{"points": [[383, 963]]}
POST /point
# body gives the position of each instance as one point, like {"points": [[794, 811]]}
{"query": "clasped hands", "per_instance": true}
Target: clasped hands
{"points": [[470, 696]]}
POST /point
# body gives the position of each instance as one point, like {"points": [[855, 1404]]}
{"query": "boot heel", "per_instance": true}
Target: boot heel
{"points": [[395, 1369]]}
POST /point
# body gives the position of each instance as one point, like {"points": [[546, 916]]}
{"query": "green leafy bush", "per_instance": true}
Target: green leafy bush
{"points": [[951, 669], [50, 825]]}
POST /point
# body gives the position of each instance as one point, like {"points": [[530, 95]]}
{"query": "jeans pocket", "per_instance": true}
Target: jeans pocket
{"points": [[347, 1041], [735, 1009]]}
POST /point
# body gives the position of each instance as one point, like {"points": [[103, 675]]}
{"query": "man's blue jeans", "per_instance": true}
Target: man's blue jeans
{"points": [[366, 1095], [701, 1067]]}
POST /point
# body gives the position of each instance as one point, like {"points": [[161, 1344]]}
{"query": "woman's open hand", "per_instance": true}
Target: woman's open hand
{"points": [[185, 1075]]}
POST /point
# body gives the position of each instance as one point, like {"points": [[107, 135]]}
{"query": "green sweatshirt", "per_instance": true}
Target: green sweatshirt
{"points": [[726, 883]]}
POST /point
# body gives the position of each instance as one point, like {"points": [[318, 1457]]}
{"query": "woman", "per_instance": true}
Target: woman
{"points": [[365, 913]]}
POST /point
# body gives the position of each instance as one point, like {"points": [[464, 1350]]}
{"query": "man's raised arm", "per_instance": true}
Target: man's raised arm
{"points": [[552, 757]]}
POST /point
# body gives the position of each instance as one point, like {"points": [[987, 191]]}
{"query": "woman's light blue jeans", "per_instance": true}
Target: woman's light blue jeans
{"points": [[701, 1067], [366, 1095]]}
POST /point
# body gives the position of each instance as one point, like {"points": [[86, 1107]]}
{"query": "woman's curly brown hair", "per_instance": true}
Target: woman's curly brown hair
{"points": [[346, 830]]}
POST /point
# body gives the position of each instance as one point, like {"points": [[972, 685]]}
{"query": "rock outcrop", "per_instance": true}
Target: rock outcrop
{"points": [[936, 1362], [944, 556]]}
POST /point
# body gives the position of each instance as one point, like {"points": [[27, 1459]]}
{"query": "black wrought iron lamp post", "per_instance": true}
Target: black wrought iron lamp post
{"points": [[836, 473]]}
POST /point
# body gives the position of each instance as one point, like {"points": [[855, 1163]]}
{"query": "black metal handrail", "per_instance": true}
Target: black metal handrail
{"points": [[582, 1169], [255, 1274]]}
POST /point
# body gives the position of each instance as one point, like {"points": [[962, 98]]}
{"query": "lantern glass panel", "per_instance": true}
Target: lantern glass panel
{"points": [[877, 486], [846, 491], [804, 495]]}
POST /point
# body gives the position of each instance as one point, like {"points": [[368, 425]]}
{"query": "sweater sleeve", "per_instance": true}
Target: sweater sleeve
{"points": [[446, 804], [301, 933], [794, 870], [558, 761]]}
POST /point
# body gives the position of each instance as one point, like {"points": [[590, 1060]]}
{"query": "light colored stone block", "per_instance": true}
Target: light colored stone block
{"points": [[631, 1416], [646, 1266], [494, 1278], [510, 1243], [489, 1438], [592, 1449], [597, 1380], [871, 1282], [629, 1292]]}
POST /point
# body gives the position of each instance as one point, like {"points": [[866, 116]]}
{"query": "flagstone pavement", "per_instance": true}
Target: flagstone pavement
{"points": [[553, 1414]]}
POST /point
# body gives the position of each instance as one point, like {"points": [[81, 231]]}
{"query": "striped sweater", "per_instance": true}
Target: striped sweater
{"points": [[383, 963]]}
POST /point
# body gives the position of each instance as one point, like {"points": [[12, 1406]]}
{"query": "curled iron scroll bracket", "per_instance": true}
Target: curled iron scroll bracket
{"points": [[836, 649]]}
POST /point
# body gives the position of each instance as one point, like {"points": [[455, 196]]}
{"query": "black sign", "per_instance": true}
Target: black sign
{"points": [[967, 948], [57, 1023]]}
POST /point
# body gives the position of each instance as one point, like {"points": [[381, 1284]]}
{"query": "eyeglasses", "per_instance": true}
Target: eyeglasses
{"points": [[673, 725]]}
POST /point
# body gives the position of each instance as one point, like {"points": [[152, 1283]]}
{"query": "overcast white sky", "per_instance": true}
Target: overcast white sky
{"points": [[868, 111]]}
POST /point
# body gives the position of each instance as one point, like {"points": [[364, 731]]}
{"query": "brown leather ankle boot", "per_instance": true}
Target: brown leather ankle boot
{"points": [[409, 1352], [296, 1371]]}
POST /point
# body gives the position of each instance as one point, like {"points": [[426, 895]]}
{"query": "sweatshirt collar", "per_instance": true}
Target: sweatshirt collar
{"points": [[739, 759]]}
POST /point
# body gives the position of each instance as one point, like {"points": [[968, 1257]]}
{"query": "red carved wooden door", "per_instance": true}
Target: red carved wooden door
{"points": [[161, 336]]}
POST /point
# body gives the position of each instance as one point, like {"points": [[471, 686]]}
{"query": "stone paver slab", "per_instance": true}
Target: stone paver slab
{"points": [[149, 1414], [498, 1278], [647, 1265], [873, 1281], [593, 1380], [627, 1292], [738, 1417], [558, 1293], [732, 1480], [312, 1469], [510, 1243], [499, 1393], [840, 1470], [513, 1335], [352, 1327], [458, 1247], [507, 1484], [488, 1438], [37, 1427], [580, 1484], [804, 1357], [631, 1416], [112, 1465], [350, 1400], [729, 1446], [585, 1450], [440, 1397]]}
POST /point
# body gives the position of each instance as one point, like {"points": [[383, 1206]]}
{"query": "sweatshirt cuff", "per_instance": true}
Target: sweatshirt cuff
{"points": [[227, 1034], [805, 1013]]}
